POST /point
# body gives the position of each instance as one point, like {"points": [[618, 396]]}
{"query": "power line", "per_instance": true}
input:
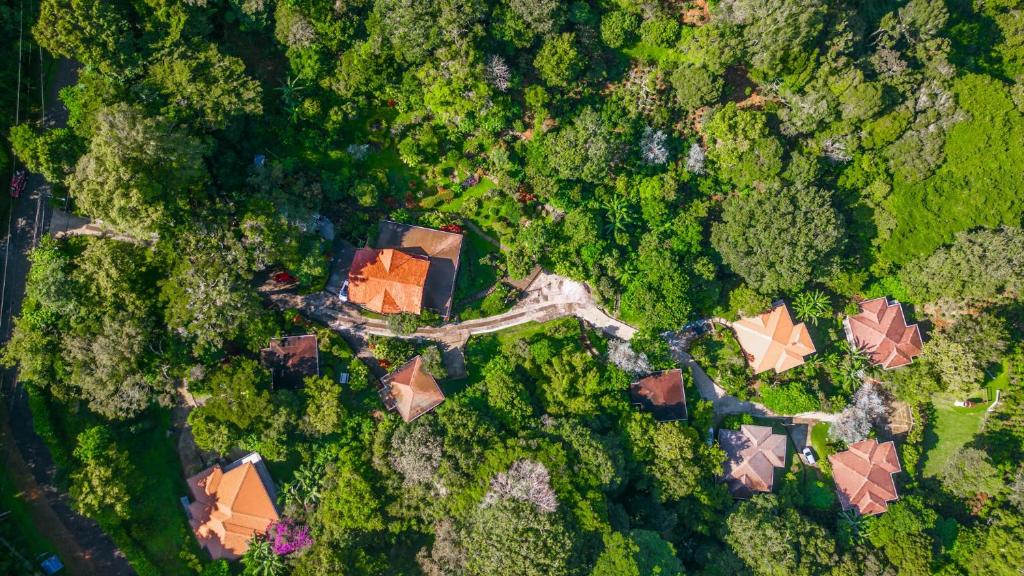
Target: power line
{"points": [[14, 167]]}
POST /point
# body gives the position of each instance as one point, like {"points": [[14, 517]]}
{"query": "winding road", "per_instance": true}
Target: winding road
{"points": [[548, 297]]}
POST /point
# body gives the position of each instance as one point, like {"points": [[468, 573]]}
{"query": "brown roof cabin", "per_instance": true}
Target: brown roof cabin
{"points": [[752, 455], [291, 359], [662, 394], [410, 390]]}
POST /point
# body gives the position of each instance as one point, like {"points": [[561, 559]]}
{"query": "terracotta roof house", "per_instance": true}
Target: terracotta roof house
{"points": [[291, 359], [772, 341], [443, 249], [881, 331], [411, 390], [752, 455], [863, 476], [662, 394], [230, 505], [388, 281]]}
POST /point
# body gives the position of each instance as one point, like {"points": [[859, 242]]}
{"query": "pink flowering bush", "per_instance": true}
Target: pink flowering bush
{"points": [[287, 536]]}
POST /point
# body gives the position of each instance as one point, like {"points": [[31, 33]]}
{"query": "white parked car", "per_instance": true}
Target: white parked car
{"points": [[343, 293], [808, 456]]}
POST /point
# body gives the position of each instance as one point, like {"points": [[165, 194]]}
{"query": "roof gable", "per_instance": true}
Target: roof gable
{"points": [[772, 341], [230, 506]]}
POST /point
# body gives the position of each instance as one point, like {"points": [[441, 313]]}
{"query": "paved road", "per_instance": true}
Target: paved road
{"points": [[82, 545]]}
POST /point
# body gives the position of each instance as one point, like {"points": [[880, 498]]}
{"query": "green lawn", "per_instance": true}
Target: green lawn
{"points": [[953, 428], [1001, 381], [819, 442]]}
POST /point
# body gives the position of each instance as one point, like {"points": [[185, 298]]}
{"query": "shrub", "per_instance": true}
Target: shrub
{"points": [[789, 398], [403, 323]]}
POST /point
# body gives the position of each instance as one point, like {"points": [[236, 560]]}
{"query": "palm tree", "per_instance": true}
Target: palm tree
{"points": [[290, 96], [810, 306], [620, 217], [260, 559], [856, 524]]}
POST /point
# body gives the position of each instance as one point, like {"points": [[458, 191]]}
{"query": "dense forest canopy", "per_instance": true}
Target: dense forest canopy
{"points": [[684, 159]]}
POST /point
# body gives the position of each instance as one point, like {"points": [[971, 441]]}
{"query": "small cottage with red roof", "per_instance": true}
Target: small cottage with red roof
{"points": [[411, 390], [662, 394], [880, 330]]}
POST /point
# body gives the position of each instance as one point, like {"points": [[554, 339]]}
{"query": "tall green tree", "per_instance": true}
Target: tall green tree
{"points": [[779, 240]]}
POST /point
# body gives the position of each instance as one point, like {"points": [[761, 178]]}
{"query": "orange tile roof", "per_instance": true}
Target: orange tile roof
{"points": [[863, 476], [773, 341], [413, 390], [230, 507], [881, 331], [662, 394], [388, 281], [753, 453]]}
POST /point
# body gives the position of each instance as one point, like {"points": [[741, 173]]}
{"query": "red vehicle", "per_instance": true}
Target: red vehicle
{"points": [[18, 183], [284, 278], [452, 228]]}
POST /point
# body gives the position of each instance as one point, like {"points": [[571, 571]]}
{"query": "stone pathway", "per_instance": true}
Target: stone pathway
{"points": [[549, 297]]}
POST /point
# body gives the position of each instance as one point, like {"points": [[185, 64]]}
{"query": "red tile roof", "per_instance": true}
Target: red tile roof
{"points": [[388, 281], [230, 506], [773, 341], [753, 453], [863, 476], [291, 359], [662, 394], [412, 390], [881, 331]]}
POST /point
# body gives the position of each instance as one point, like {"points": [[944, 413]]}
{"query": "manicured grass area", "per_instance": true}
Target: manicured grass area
{"points": [[819, 441], [953, 428], [641, 51], [1001, 381]]}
